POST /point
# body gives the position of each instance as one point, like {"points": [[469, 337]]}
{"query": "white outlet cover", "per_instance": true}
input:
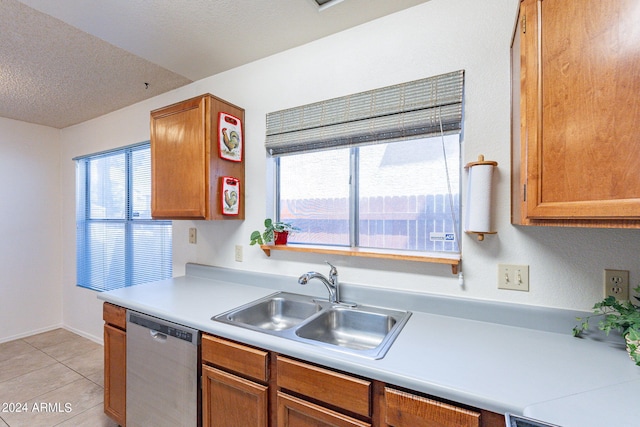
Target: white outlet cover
{"points": [[616, 283]]}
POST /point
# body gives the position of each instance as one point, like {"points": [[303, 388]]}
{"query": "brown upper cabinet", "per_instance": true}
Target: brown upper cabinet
{"points": [[575, 108], [187, 168]]}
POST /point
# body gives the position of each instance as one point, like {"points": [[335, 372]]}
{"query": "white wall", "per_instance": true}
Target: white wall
{"points": [[30, 241], [436, 37]]}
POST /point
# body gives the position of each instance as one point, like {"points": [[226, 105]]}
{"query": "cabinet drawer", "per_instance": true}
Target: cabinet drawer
{"points": [[340, 390], [410, 410], [114, 315], [235, 357]]}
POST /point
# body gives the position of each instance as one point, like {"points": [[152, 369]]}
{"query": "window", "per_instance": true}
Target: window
{"points": [[117, 242], [379, 169], [401, 199]]}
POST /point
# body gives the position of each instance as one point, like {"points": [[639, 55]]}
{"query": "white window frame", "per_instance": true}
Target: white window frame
{"points": [[86, 278], [453, 199], [427, 107]]}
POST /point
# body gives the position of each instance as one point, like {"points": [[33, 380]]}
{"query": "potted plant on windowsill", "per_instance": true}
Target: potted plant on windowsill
{"points": [[274, 231], [622, 316]]}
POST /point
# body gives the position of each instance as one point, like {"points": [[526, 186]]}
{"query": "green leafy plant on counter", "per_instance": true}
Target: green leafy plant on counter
{"points": [[271, 228], [622, 316]]}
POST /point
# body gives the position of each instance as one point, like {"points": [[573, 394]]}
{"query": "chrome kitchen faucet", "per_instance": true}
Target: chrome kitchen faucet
{"points": [[331, 283]]}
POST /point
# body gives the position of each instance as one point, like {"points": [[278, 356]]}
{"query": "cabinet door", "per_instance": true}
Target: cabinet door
{"points": [[409, 410], [579, 81], [231, 401], [294, 412], [180, 161], [115, 373]]}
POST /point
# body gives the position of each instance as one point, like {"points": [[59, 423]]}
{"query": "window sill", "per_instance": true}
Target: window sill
{"points": [[439, 258]]}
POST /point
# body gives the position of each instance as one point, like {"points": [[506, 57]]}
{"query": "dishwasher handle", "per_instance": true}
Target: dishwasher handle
{"points": [[158, 336], [161, 330]]}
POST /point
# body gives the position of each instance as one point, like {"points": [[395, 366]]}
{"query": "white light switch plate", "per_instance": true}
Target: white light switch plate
{"points": [[513, 277]]}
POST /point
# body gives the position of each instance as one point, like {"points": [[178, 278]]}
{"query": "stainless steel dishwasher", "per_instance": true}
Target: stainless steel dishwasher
{"points": [[162, 372]]}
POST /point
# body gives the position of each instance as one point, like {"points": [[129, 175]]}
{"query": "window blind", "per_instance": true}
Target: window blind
{"points": [[393, 113], [118, 244]]}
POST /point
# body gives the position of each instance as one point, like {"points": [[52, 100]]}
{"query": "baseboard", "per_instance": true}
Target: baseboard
{"points": [[33, 332], [84, 334]]}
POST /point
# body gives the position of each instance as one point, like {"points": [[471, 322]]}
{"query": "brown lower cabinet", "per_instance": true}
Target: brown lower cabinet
{"points": [[296, 412], [310, 395], [408, 410], [243, 386], [115, 359], [235, 384], [230, 400]]}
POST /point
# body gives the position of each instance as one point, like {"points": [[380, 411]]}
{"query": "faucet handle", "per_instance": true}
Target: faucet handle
{"points": [[334, 271]]}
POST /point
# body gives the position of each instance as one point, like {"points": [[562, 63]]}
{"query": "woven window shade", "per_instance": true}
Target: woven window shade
{"points": [[394, 113]]}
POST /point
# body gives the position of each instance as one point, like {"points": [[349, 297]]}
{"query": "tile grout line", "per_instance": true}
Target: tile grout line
{"points": [[33, 370], [75, 416], [42, 346], [80, 373], [53, 390]]}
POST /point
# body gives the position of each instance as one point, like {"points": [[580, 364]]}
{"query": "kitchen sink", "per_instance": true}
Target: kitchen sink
{"points": [[360, 330], [276, 312]]}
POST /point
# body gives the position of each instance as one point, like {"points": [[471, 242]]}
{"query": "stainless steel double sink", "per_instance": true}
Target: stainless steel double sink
{"points": [[360, 330]]}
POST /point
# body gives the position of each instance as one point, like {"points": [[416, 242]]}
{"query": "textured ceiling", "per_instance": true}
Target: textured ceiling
{"points": [[66, 61], [56, 75]]}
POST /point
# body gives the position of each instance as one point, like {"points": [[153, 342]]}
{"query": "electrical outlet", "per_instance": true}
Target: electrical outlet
{"points": [[616, 283], [513, 277], [193, 235], [239, 253]]}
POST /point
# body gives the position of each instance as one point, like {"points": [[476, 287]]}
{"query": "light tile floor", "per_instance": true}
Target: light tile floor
{"points": [[52, 379]]}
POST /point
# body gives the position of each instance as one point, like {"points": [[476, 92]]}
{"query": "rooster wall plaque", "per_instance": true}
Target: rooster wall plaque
{"points": [[230, 137], [230, 195]]}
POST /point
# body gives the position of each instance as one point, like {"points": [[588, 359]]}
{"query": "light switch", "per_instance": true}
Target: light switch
{"points": [[513, 277]]}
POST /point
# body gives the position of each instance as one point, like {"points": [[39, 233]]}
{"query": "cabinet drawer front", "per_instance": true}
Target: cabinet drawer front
{"points": [[343, 391], [236, 357], [114, 315], [409, 410]]}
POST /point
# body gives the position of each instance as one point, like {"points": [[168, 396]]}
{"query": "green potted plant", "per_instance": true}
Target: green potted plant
{"points": [[274, 231], [622, 316]]}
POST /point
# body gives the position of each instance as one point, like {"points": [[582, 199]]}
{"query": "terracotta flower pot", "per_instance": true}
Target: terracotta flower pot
{"points": [[280, 237]]}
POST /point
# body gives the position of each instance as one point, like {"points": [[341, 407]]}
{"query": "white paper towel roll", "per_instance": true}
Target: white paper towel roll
{"points": [[478, 216]]}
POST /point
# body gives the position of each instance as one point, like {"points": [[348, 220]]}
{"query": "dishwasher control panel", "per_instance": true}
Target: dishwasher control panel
{"points": [[172, 330]]}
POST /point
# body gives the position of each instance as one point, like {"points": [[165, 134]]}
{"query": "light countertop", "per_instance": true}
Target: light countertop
{"points": [[538, 372]]}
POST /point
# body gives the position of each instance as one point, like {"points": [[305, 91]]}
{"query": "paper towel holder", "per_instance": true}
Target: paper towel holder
{"points": [[480, 162]]}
